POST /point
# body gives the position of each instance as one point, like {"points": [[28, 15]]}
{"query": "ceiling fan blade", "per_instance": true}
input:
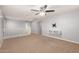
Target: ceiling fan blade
{"points": [[45, 6], [50, 11], [34, 10], [36, 13]]}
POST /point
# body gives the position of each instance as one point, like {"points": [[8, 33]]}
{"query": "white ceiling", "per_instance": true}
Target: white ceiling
{"points": [[23, 12]]}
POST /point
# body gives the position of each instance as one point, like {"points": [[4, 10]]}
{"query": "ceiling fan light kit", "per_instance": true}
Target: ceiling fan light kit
{"points": [[42, 14]]}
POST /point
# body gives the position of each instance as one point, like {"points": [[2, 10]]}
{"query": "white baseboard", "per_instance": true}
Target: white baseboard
{"points": [[14, 36], [61, 38]]}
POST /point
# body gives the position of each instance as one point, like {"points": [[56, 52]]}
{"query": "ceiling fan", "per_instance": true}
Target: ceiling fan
{"points": [[42, 11]]}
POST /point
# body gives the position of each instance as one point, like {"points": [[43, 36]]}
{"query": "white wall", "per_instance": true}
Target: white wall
{"points": [[16, 28], [68, 23], [1, 29], [1, 34], [1, 25], [36, 27], [13, 28]]}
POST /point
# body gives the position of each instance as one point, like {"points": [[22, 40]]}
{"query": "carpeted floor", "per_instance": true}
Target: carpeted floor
{"points": [[38, 44]]}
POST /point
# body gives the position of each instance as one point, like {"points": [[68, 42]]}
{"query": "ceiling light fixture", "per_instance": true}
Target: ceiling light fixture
{"points": [[42, 14]]}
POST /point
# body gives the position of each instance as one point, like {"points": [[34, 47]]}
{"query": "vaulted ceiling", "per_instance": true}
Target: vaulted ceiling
{"points": [[23, 12]]}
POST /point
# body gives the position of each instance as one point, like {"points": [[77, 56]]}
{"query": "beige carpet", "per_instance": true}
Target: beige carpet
{"points": [[36, 43]]}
